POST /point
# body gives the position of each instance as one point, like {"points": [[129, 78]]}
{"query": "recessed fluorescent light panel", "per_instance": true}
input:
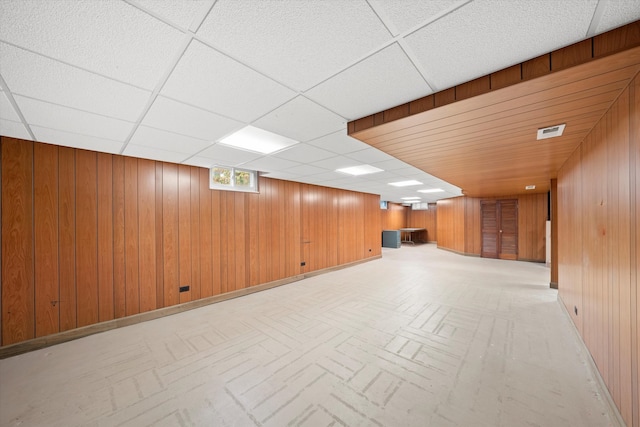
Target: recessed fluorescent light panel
{"points": [[257, 140], [405, 183], [431, 190], [360, 170], [551, 131], [411, 198]]}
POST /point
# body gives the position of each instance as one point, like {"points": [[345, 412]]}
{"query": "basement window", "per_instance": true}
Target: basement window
{"points": [[233, 179]]}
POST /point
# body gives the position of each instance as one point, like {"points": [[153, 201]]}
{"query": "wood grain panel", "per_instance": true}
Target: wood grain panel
{"points": [[634, 188], [451, 223], [396, 113], [67, 236], [17, 241], [86, 238], [264, 225], [216, 262], [184, 230], [472, 231], [536, 67], [419, 105], [147, 234], [445, 97], [227, 269], [119, 274], [572, 55], [507, 77], [159, 238], [105, 237], [394, 217], [617, 40], [205, 251], [195, 232], [424, 219], [473, 88], [170, 244], [238, 236], [47, 286], [253, 239], [554, 234], [131, 237]]}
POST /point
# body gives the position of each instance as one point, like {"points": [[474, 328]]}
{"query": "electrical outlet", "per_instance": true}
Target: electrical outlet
{"points": [[575, 309], [302, 264], [184, 288]]}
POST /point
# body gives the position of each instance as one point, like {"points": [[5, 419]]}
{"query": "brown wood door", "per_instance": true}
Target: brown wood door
{"points": [[499, 229]]}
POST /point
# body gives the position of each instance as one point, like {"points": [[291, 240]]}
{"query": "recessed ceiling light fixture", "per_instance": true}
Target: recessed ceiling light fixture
{"points": [[405, 183], [257, 140], [530, 187], [431, 190], [551, 131], [411, 198], [360, 170]]}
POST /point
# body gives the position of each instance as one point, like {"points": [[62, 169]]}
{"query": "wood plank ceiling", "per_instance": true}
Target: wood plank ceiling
{"points": [[487, 146]]}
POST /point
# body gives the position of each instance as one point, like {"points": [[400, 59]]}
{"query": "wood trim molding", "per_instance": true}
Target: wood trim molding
{"points": [[616, 40]]}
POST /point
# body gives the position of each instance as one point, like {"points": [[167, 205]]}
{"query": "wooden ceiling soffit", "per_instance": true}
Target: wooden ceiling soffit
{"points": [[481, 136]]}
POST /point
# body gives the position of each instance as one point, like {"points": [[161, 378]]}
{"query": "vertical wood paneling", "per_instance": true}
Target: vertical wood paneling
{"points": [[424, 219], [86, 238], [264, 225], [216, 262], [147, 234], [195, 233], [205, 251], [119, 275], [105, 237], [170, 227], [47, 287], [238, 236], [634, 189], [394, 217], [67, 236], [159, 239], [253, 240], [597, 273], [131, 237], [227, 264], [17, 241], [184, 230]]}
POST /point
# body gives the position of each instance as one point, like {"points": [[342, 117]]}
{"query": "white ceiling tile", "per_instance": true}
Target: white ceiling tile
{"points": [[38, 77], [370, 155], [182, 13], [213, 81], [305, 170], [153, 154], [381, 81], [339, 142], [451, 55], [337, 162], [53, 116], [299, 43], [168, 141], [407, 14], [7, 111], [303, 153], [301, 119], [228, 156], [390, 165], [270, 164], [617, 13], [327, 177], [13, 129], [177, 117], [133, 46], [281, 175], [74, 140], [202, 162]]}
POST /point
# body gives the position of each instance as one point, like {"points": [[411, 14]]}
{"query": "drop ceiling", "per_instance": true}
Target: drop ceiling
{"points": [[167, 80]]}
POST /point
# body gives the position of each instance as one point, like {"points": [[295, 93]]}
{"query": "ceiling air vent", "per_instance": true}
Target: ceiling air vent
{"points": [[551, 131]]}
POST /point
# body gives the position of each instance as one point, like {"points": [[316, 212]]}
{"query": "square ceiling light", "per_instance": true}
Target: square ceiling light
{"points": [[431, 190], [405, 183], [257, 140], [360, 170]]}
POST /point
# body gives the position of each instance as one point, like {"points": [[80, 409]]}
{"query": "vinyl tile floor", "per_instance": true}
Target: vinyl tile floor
{"points": [[421, 337]]}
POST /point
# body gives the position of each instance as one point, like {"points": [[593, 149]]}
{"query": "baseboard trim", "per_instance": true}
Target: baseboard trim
{"points": [[553, 285], [73, 334], [458, 252], [614, 412]]}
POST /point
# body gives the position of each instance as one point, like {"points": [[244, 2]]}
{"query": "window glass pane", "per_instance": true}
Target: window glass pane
{"points": [[221, 176], [242, 178]]}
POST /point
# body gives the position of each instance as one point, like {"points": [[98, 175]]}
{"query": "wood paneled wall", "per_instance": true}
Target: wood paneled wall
{"points": [[425, 219], [394, 217], [459, 230], [599, 247], [89, 237]]}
